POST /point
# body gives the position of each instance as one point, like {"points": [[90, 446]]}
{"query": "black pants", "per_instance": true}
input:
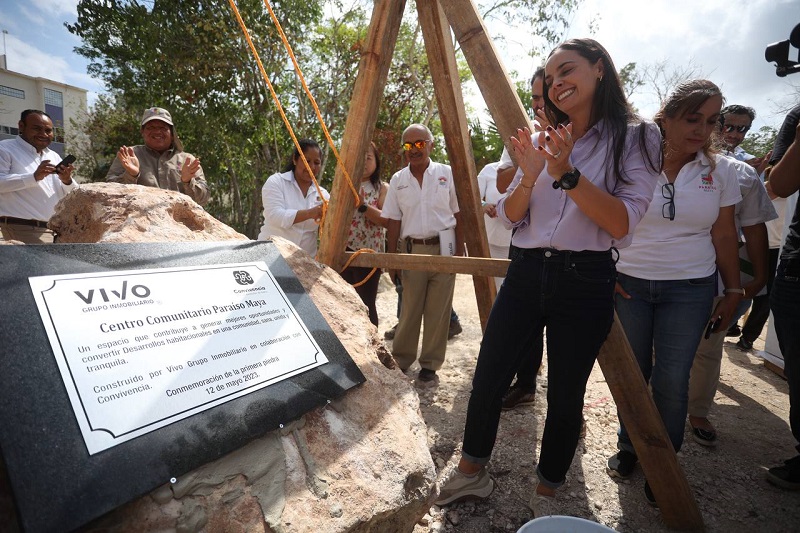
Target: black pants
{"points": [[368, 291], [571, 293], [759, 313], [786, 313]]}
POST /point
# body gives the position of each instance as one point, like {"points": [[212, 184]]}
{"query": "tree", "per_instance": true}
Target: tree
{"points": [[760, 142], [190, 57]]}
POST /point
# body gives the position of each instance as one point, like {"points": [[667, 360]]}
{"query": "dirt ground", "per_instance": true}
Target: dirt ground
{"points": [[751, 415]]}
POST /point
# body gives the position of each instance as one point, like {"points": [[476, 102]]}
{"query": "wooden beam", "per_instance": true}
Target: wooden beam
{"points": [[476, 266], [376, 56], [498, 91], [647, 432], [447, 86]]}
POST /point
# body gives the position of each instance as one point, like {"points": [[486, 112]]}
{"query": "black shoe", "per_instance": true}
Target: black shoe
{"points": [[651, 499], [426, 374], [744, 344], [622, 464], [786, 476], [518, 396], [389, 335], [454, 329], [704, 436], [734, 331]]}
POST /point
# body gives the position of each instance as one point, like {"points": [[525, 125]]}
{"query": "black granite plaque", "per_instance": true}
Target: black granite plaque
{"points": [[57, 485]]}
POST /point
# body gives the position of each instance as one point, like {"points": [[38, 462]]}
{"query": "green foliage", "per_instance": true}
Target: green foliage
{"points": [[760, 142], [189, 56]]}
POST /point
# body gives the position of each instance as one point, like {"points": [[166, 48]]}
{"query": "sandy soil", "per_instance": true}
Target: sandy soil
{"points": [[751, 416]]}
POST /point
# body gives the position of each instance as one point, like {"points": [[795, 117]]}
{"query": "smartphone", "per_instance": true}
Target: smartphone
{"points": [[712, 327], [67, 161]]}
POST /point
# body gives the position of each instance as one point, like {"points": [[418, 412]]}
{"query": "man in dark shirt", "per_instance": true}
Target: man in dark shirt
{"points": [[785, 180]]}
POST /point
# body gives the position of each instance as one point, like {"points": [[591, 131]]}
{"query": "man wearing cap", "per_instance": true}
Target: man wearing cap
{"points": [[161, 161], [31, 182]]}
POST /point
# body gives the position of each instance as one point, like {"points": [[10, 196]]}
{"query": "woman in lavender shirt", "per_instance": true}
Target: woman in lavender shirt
{"points": [[562, 270]]}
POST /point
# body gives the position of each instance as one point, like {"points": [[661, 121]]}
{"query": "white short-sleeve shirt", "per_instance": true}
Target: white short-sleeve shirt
{"points": [[422, 211], [664, 249], [496, 232]]}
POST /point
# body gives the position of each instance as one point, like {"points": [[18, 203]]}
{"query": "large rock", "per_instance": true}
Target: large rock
{"points": [[112, 212], [359, 464]]}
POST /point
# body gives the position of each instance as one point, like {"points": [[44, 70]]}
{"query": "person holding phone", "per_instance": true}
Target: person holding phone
{"points": [[33, 179], [586, 180], [160, 162], [668, 275]]}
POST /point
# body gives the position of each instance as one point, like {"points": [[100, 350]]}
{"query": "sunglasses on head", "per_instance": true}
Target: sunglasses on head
{"points": [[419, 145], [730, 127]]}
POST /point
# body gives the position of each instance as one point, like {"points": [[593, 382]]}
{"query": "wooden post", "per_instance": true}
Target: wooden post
{"points": [[619, 366], [647, 432], [498, 92], [373, 70], [447, 85]]}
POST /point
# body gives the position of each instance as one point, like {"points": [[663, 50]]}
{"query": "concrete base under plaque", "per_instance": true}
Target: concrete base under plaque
{"points": [[359, 464]]}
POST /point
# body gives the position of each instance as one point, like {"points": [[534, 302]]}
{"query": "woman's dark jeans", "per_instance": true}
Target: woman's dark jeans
{"points": [[571, 293]]}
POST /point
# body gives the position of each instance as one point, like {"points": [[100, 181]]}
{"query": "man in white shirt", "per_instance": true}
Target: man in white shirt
{"points": [[420, 204], [752, 213], [31, 181]]}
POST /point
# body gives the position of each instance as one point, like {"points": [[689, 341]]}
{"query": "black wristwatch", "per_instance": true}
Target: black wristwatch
{"points": [[568, 181], [362, 208]]}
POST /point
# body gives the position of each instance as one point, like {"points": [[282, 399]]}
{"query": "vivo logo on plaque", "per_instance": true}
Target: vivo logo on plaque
{"points": [[133, 363], [140, 291]]}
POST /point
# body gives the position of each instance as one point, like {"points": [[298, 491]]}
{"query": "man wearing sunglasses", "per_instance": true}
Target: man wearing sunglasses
{"points": [[734, 123], [420, 204]]}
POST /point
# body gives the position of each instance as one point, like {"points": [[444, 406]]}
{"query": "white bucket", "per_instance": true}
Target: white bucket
{"points": [[563, 524]]}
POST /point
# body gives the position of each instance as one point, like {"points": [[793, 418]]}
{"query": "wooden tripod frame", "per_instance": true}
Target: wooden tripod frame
{"points": [[616, 358]]}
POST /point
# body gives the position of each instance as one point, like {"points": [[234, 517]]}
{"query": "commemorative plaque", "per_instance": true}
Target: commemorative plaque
{"points": [[125, 366]]}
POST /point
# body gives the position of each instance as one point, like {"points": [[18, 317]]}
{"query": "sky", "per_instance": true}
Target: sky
{"points": [[725, 41]]}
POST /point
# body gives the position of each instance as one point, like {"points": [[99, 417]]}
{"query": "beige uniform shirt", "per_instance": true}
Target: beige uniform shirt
{"points": [[162, 171]]}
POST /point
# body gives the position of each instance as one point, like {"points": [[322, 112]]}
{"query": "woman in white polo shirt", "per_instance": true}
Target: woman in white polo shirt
{"points": [[668, 275], [292, 203]]}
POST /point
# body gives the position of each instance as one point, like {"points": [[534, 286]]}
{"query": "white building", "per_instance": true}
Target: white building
{"points": [[62, 102]]}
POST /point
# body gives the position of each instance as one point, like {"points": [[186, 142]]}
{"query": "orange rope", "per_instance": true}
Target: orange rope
{"points": [[280, 107], [299, 72], [350, 260], [313, 101]]}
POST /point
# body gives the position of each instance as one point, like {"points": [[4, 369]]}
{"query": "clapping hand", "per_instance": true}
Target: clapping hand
{"points": [[529, 158], [191, 165], [128, 160]]}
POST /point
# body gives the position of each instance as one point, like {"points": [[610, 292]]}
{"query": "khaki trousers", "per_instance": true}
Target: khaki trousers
{"points": [[427, 296], [704, 377], [26, 234]]}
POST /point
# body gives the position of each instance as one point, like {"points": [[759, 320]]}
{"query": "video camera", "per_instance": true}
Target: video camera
{"points": [[778, 53]]}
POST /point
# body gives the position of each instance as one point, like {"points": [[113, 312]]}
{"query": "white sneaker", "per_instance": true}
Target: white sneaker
{"points": [[459, 486], [542, 505]]}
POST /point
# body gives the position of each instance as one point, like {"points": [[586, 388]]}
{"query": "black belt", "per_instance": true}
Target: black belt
{"points": [[429, 240], [23, 222], [565, 255]]}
